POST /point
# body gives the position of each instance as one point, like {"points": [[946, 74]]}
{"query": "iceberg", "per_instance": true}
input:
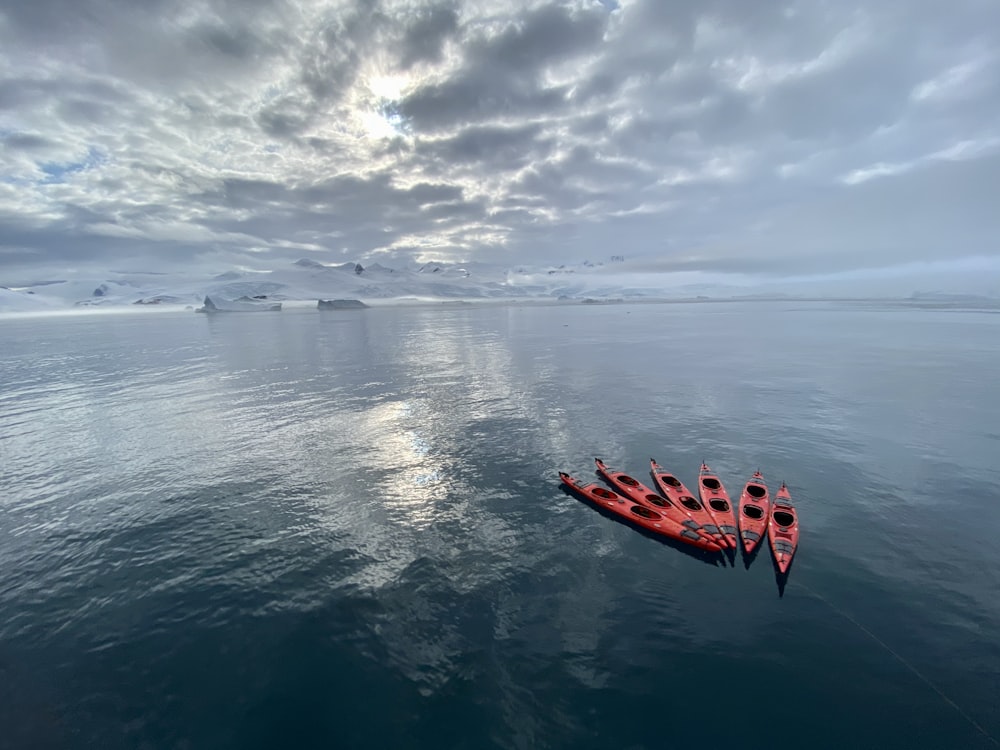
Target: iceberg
{"points": [[340, 304], [239, 305]]}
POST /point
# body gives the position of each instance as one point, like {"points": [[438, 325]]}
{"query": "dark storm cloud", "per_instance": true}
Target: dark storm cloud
{"points": [[714, 135]]}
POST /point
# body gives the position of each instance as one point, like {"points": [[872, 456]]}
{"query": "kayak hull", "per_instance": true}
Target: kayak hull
{"points": [[754, 512], [783, 529], [716, 501], [635, 513]]}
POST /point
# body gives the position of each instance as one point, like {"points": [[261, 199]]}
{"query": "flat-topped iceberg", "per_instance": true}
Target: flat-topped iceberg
{"points": [[238, 305], [340, 304]]}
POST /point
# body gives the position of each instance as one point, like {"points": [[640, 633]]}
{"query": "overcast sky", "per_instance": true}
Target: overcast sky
{"points": [[752, 137]]}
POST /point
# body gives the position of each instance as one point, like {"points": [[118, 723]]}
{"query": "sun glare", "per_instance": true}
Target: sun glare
{"points": [[389, 87], [376, 105], [376, 125]]}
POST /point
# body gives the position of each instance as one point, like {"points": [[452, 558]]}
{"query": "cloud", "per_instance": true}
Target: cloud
{"points": [[961, 151], [424, 38], [718, 137]]}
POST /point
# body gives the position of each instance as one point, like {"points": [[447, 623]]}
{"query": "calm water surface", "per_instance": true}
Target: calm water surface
{"points": [[345, 529]]}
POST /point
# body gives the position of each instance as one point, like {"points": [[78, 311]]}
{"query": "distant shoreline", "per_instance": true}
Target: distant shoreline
{"points": [[464, 303]]}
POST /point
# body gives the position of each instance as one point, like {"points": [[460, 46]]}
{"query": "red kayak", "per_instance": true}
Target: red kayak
{"points": [[716, 501], [783, 529], [635, 490], [674, 490], [640, 515], [755, 508]]}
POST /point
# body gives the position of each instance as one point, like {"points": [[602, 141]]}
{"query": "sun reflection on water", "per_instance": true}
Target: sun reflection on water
{"points": [[415, 489]]}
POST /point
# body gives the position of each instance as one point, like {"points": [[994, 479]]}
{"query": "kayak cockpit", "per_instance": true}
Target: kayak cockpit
{"points": [[719, 505], [670, 481], [755, 490], [690, 503], [711, 483], [753, 511], [658, 501], [783, 518], [644, 512]]}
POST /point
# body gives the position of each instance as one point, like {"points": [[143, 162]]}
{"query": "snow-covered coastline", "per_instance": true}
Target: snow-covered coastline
{"points": [[305, 282]]}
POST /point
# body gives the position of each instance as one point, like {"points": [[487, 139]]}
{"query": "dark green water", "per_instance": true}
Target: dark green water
{"points": [[345, 529]]}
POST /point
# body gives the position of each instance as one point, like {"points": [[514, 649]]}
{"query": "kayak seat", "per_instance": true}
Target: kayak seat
{"points": [[643, 512], [783, 518]]}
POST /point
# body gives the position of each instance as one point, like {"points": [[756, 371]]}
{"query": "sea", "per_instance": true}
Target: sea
{"points": [[346, 529]]}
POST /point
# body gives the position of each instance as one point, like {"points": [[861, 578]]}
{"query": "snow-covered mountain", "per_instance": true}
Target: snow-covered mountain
{"points": [[304, 280], [307, 280]]}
